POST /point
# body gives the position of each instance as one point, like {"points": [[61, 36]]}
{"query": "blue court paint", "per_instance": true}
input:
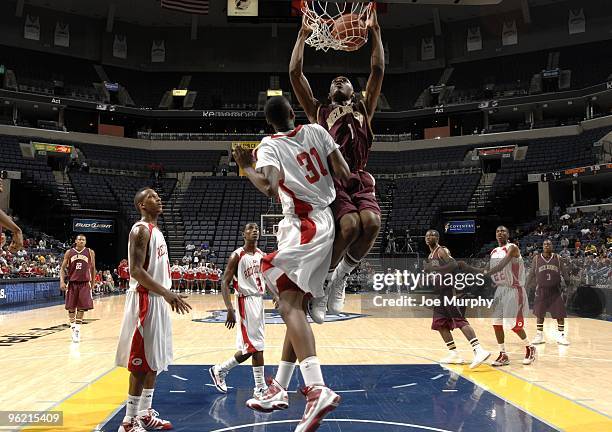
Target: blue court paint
{"points": [[369, 402]]}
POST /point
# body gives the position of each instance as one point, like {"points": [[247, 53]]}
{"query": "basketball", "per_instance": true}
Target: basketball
{"points": [[351, 31]]}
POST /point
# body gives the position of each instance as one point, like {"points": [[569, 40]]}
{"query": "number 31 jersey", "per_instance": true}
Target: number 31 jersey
{"points": [[301, 157]]}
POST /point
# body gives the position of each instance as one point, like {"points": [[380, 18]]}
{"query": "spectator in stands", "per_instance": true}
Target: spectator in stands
{"points": [[391, 247], [186, 259], [590, 249], [564, 242], [565, 253], [190, 247]]}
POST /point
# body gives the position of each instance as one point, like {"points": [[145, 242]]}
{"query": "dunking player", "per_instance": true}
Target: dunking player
{"points": [[507, 271], [80, 262], [296, 164], [348, 121], [245, 265], [145, 342], [546, 271], [448, 318]]}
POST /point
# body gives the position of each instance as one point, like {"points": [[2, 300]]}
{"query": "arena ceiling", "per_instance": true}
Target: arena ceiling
{"points": [[149, 13]]}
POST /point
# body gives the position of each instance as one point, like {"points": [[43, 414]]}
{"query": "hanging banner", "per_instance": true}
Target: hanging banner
{"points": [[31, 28], [576, 22], [509, 33], [120, 46], [62, 34], [158, 51], [474, 39], [242, 8], [460, 227], [428, 49]]}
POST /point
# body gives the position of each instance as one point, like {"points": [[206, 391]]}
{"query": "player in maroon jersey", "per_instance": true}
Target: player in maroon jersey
{"points": [[348, 121], [545, 272], [80, 264], [447, 317]]}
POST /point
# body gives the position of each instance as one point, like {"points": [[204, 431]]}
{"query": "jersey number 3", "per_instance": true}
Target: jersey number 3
{"points": [[305, 160]]}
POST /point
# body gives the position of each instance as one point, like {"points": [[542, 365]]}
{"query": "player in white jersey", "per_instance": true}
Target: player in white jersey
{"points": [[296, 164], [145, 342], [245, 266], [507, 270]]}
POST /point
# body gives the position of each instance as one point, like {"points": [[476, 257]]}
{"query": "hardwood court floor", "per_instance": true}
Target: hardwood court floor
{"points": [[41, 367]]}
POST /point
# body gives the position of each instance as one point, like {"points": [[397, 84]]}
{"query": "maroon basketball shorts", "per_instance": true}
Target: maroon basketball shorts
{"points": [[448, 316], [357, 195], [549, 300], [78, 296]]}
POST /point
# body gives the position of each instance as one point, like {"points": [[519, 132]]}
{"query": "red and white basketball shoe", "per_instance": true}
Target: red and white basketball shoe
{"points": [[320, 401], [150, 420], [501, 360], [530, 355], [133, 425], [218, 378], [275, 398]]}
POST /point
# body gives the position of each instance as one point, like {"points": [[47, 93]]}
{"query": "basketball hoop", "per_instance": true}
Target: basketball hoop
{"points": [[339, 26]]}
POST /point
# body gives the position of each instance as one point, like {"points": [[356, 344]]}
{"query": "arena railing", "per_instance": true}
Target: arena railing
{"points": [[186, 136]]}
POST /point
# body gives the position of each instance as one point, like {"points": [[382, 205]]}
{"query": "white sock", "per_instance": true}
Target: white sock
{"points": [[284, 373], [345, 268], [258, 376], [526, 341], [540, 332], [131, 408], [502, 347], [311, 371], [229, 364], [77, 327], [146, 399]]}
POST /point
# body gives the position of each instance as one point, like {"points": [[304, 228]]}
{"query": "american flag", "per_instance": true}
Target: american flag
{"points": [[189, 6]]}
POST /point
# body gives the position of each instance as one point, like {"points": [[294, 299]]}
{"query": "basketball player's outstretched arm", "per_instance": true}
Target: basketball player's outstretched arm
{"points": [[228, 275], [529, 282], [139, 242], [92, 254], [7, 222], [340, 168], [266, 180], [444, 256], [63, 267], [300, 84], [564, 272], [513, 252], [377, 66]]}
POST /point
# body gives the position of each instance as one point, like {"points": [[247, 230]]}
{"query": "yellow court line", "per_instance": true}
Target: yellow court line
{"points": [[89, 407], [543, 404]]}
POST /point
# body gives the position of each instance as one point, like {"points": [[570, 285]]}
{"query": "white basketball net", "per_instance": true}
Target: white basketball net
{"points": [[321, 16]]}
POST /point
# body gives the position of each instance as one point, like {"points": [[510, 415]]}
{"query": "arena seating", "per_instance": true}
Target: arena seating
{"points": [[33, 171], [510, 74], [171, 160], [417, 160], [216, 210], [417, 201]]}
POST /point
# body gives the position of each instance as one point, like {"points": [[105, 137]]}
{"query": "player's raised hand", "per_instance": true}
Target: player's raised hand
{"points": [[177, 303], [17, 242], [242, 156], [306, 28], [230, 321], [372, 21]]}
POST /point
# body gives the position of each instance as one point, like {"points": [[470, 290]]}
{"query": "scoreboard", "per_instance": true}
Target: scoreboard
{"points": [[40, 147]]}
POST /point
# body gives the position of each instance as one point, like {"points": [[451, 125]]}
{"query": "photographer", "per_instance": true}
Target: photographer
{"points": [[7, 222]]}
